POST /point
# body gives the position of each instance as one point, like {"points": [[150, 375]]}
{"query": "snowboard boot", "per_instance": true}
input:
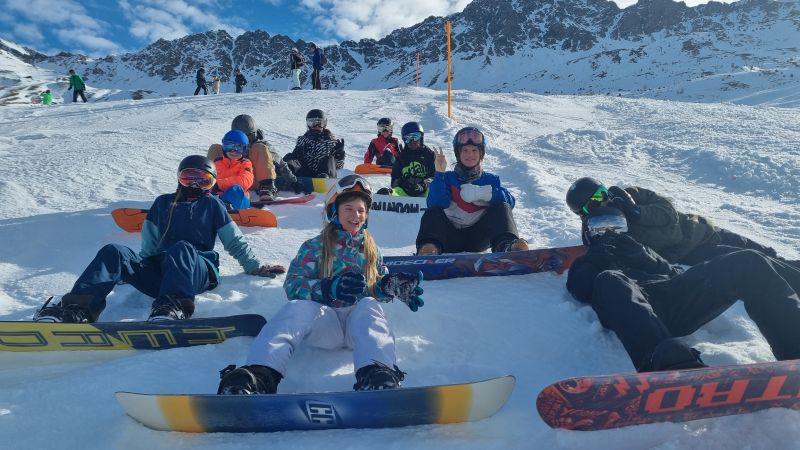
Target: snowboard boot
{"points": [[378, 376], [672, 354], [247, 380], [267, 191], [384, 191], [511, 245], [429, 249], [56, 313], [171, 307]]}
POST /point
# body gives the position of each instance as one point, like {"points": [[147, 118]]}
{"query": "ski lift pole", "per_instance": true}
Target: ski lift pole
{"points": [[449, 80]]}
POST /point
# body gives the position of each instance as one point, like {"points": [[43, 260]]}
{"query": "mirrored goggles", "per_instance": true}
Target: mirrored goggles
{"points": [[234, 147], [599, 196], [351, 182], [469, 136], [411, 137], [311, 123], [598, 225], [196, 178], [385, 127]]}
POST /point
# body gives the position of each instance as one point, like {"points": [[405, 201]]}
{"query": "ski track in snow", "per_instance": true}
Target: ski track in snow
{"points": [[67, 167]]}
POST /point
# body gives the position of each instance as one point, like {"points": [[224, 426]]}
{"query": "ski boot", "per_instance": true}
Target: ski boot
{"points": [[378, 376], [429, 249], [247, 380], [56, 313], [511, 245], [267, 191]]}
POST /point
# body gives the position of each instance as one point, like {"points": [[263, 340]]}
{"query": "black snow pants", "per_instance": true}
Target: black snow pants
{"points": [[496, 225], [642, 315]]}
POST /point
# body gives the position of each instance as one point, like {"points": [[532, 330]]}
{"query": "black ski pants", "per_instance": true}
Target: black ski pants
{"points": [[76, 93], [729, 243], [203, 87], [496, 225], [316, 82], [644, 314]]}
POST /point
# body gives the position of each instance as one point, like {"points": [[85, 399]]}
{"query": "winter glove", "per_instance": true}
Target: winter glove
{"points": [[343, 290], [299, 187], [626, 251], [623, 201], [293, 165], [413, 186], [269, 271], [404, 286], [338, 149], [472, 193]]}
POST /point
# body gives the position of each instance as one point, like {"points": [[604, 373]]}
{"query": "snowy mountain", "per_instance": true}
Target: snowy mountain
{"points": [[66, 168], [741, 52]]}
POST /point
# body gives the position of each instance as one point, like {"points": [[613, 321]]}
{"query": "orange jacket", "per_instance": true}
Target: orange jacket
{"points": [[230, 172]]}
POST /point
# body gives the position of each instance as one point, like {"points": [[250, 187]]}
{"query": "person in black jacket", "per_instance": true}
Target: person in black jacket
{"points": [[201, 81], [240, 81], [649, 303], [414, 168], [317, 153]]}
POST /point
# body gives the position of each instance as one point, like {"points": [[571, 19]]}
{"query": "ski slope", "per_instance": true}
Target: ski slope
{"points": [[66, 167]]}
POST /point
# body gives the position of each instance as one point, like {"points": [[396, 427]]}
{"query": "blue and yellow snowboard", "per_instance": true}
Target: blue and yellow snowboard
{"points": [[451, 403]]}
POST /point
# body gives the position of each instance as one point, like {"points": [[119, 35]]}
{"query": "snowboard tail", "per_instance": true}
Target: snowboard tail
{"points": [[458, 265], [319, 411], [373, 169], [612, 401], [132, 219], [43, 336]]}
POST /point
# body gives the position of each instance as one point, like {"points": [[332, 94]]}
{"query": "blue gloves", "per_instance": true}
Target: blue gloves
{"points": [[343, 290], [404, 286]]}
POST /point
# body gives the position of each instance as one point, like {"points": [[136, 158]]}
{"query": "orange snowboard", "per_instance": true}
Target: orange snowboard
{"points": [[372, 169], [131, 219]]}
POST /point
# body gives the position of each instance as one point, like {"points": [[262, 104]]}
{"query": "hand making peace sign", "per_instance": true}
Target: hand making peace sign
{"points": [[441, 160]]}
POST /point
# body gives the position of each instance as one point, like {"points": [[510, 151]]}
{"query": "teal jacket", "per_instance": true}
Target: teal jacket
{"points": [[76, 82]]}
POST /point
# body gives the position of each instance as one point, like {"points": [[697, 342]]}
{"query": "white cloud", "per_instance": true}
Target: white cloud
{"points": [[152, 19], [358, 19], [86, 39], [29, 32], [626, 3]]}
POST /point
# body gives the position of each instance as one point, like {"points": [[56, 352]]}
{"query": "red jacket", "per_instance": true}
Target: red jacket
{"points": [[378, 145], [230, 172]]}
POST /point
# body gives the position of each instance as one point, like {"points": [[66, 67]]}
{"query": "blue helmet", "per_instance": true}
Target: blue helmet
{"points": [[235, 141]]}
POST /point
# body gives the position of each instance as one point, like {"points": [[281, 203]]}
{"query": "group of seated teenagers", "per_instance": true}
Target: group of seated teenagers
{"points": [[634, 274]]}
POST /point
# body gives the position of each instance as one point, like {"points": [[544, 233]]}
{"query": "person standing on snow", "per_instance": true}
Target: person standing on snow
{"points": [[413, 170], [649, 303], [384, 149], [317, 153], [653, 220], [296, 62], [177, 260], [77, 85], [318, 61], [468, 209], [234, 171], [200, 78], [240, 81], [335, 286]]}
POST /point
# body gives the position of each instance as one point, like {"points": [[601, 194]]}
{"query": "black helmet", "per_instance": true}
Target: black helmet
{"points": [[413, 127], [385, 121], [244, 123], [198, 162], [316, 115], [580, 192]]}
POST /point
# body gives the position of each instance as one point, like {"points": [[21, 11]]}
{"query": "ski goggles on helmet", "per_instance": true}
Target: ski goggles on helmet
{"points": [[316, 122], [234, 147], [385, 127], [600, 222], [196, 178], [353, 183], [599, 196], [472, 136], [411, 137]]}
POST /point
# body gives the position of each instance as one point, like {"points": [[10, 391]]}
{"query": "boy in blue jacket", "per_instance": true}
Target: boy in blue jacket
{"points": [[468, 209], [177, 259]]}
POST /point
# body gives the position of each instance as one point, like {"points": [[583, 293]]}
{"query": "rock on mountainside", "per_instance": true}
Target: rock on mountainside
{"points": [[741, 52]]}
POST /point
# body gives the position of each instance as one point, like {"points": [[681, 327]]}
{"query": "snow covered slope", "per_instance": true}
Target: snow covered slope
{"points": [[66, 168]]}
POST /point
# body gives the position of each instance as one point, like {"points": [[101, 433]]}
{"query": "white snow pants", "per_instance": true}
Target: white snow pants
{"points": [[362, 327], [296, 77]]}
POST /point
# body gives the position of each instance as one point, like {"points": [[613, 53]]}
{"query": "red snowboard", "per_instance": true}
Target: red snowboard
{"points": [[612, 401]]}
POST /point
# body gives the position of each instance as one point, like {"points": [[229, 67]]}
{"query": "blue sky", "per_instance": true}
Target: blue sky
{"points": [[103, 27]]}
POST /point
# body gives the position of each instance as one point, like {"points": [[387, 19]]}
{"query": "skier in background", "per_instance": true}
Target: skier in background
{"points": [[296, 61], [240, 81], [413, 170], [318, 61], [177, 260], [200, 78], [649, 302], [47, 97], [317, 153], [77, 85], [334, 285], [385, 148], [468, 209]]}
